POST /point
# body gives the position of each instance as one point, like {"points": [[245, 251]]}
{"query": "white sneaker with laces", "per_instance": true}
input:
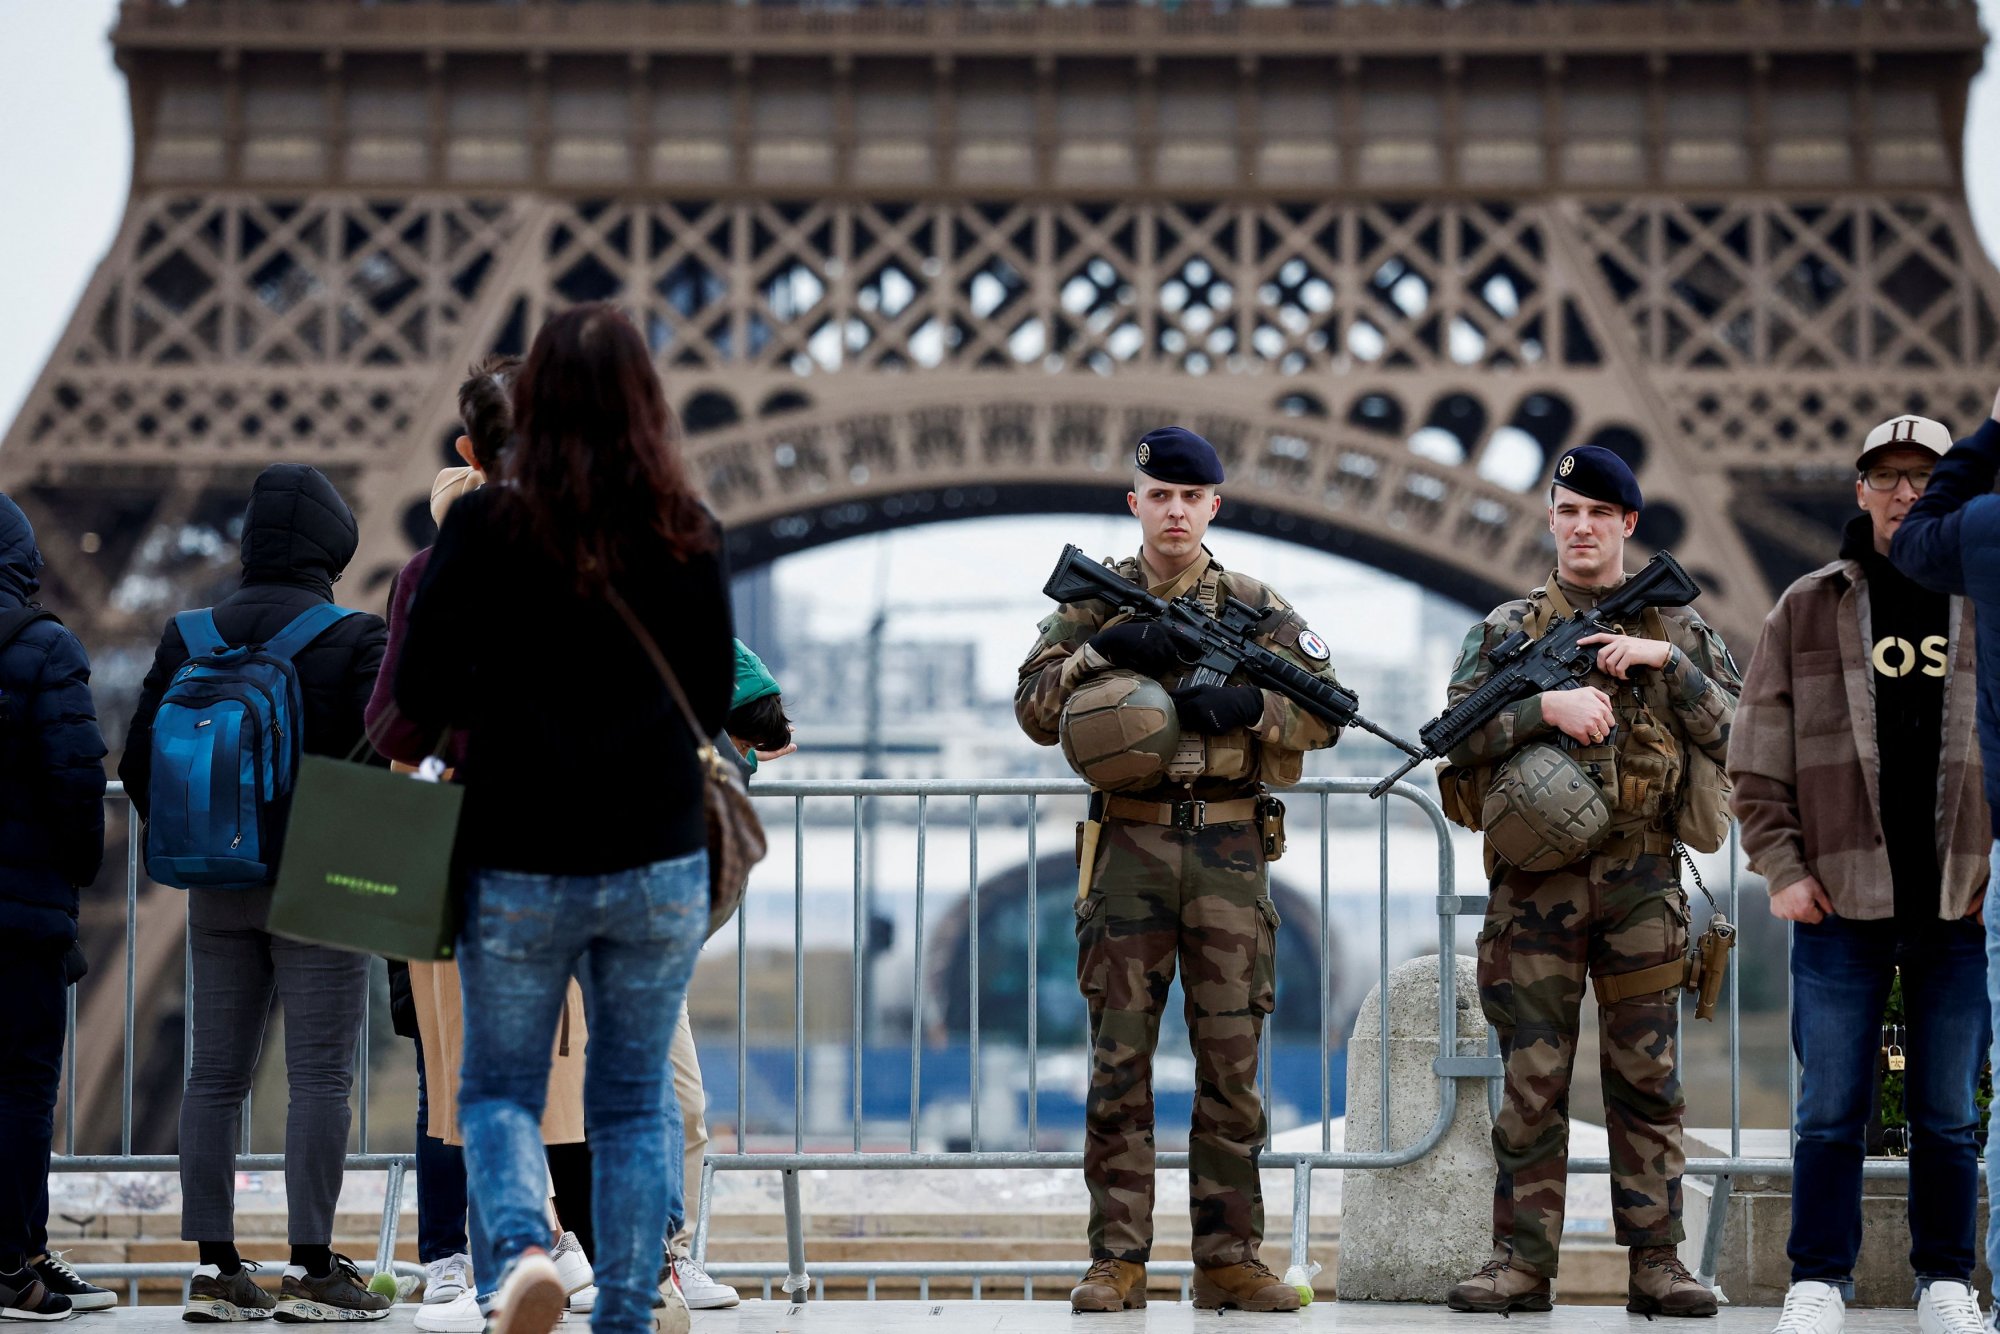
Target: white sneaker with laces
{"points": [[1949, 1307], [460, 1315], [1812, 1307], [702, 1292], [572, 1264], [448, 1279], [670, 1312]]}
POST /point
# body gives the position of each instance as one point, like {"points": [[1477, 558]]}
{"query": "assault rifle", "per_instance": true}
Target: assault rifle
{"points": [[1559, 660], [1216, 647]]}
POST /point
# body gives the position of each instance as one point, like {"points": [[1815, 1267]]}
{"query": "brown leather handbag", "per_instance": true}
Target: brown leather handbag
{"points": [[736, 839]]}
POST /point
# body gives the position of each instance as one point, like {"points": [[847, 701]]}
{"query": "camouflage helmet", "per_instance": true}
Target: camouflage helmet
{"points": [[1119, 730], [1544, 810]]}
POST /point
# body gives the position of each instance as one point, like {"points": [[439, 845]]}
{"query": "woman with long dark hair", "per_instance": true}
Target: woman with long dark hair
{"points": [[583, 844]]}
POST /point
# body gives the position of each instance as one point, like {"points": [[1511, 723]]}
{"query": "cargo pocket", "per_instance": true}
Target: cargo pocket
{"points": [[1496, 965], [1264, 973], [1091, 965]]}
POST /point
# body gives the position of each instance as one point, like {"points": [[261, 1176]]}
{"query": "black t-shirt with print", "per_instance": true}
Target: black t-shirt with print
{"points": [[1908, 653]]}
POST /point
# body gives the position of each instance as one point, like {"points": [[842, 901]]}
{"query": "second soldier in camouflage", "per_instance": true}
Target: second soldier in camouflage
{"points": [[1176, 880], [1651, 726]]}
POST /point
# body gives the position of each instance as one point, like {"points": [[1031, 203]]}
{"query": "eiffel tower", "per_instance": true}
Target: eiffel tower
{"points": [[918, 262]]}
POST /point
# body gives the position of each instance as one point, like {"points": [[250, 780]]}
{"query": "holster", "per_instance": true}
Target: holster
{"points": [[1271, 826]]}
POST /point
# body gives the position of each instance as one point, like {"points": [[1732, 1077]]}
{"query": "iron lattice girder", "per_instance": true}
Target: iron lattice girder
{"points": [[1402, 371], [1196, 29]]}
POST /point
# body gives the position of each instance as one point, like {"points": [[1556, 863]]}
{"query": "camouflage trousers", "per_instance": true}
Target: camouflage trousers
{"points": [[1197, 898], [1545, 935]]}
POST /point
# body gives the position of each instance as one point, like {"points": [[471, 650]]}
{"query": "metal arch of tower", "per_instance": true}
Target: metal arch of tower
{"points": [[876, 339]]}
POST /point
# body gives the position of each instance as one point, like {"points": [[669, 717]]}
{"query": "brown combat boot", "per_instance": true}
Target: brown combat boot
{"points": [[1110, 1285], [1498, 1288], [1661, 1285], [1247, 1287]]}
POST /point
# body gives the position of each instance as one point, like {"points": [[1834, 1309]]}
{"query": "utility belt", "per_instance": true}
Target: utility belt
{"points": [[1264, 809], [1642, 842]]}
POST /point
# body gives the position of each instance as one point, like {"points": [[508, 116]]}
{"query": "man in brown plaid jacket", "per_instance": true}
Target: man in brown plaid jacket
{"points": [[1858, 788]]}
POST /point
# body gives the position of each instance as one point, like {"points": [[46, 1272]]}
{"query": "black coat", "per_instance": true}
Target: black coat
{"points": [[297, 538], [51, 760]]}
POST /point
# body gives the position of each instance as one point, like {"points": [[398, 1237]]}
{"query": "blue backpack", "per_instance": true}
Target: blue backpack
{"points": [[226, 753]]}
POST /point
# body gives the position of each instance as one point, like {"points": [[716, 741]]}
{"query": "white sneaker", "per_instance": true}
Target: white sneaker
{"points": [[531, 1296], [702, 1292], [448, 1279], [670, 1310], [572, 1264], [460, 1315], [1949, 1307], [584, 1302], [1812, 1307]]}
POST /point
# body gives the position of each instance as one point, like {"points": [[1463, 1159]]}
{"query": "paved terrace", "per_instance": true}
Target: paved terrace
{"points": [[1016, 1317]]}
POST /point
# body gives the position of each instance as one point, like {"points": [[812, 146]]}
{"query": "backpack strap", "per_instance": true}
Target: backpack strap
{"points": [[309, 625], [198, 633], [14, 622]]}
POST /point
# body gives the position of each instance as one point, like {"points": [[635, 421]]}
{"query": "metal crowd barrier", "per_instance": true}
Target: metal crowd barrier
{"points": [[794, 1278]]}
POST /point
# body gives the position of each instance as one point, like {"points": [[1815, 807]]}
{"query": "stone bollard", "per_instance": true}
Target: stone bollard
{"points": [[1408, 1233]]}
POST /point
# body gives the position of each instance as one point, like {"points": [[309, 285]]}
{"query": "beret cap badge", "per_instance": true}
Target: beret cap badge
{"points": [[1145, 453], [1568, 466]]}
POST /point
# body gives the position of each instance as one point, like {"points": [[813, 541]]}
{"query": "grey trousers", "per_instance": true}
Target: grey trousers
{"points": [[239, 968]]}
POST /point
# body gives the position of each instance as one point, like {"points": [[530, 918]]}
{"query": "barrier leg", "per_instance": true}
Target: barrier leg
{"points": [[1711, 1238], [798, 1284], [1300, 1273], [698, 1248], [392, 1217]]}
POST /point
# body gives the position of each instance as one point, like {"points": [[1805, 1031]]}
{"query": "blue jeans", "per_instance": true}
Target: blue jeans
{"points": [[630, 939], [1993, 1000], [1841, 972], [441, 1202]]}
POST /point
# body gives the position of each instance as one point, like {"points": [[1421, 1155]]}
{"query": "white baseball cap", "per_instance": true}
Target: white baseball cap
{"points": [[1905, 433]]}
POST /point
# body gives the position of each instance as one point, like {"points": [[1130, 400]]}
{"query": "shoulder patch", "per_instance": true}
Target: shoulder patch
{"points": [[1312, 646]]}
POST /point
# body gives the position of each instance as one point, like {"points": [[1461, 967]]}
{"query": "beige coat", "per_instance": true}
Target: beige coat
{"points": [[441, 1020], [441, 1008]]}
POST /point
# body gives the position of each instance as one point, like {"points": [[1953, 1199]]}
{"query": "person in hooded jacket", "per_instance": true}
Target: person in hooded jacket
{"points": [[298, 537], [51, 844]]}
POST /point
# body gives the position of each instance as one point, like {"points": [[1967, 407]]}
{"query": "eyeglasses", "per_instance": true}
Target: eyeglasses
{"points": [[1885, 479]]}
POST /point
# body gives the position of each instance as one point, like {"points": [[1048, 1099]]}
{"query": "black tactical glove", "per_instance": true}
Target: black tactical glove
{"points": [[1213, 710], [1146, 647]]}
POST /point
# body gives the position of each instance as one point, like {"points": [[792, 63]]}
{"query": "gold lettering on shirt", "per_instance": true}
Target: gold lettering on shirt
{"points": [[1906, 656], [1934, 654]]}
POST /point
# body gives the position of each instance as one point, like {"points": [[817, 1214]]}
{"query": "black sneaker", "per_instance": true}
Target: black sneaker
{"points": [[341, 1294], [59, 1278], [23, 1296], [216, 1298]]}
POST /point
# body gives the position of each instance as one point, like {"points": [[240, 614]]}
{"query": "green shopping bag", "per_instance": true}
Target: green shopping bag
{"points": [[367, 861]]}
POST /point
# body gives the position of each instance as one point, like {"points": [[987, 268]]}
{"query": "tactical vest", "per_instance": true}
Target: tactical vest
{"points": [[1656, 780], [1235, 756]]}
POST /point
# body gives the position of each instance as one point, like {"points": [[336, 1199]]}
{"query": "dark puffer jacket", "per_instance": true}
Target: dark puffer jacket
{"points": [[297, 538], [51, 760]]}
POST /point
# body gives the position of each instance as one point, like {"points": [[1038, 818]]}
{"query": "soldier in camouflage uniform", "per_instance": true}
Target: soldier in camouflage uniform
{"points": [[1652, 725], [1178, 877]]}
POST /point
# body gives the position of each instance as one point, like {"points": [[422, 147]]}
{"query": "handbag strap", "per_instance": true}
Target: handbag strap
{"points": [[704, 749]]}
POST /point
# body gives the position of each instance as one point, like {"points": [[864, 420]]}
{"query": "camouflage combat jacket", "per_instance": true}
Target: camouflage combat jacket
{"points": [[1272, 752], [1662, 771]]}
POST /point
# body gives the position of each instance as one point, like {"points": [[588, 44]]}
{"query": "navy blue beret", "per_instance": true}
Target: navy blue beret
{"points": [[1599, 474], [1176, 454]]}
